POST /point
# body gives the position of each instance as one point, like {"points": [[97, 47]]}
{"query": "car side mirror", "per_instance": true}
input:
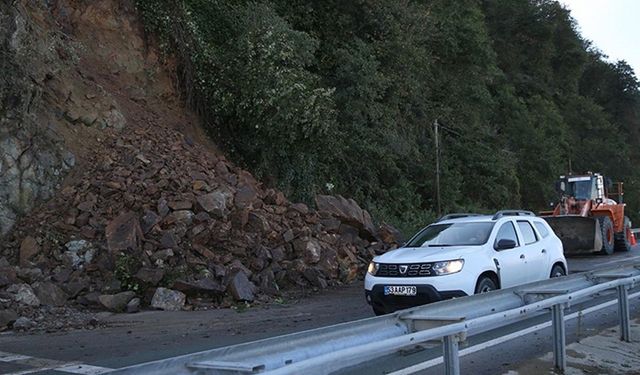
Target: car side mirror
{"points": [[505, 244]]}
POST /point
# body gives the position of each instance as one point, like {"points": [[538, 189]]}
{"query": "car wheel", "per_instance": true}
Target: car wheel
{"points": [[557, 271], [485, 284]]}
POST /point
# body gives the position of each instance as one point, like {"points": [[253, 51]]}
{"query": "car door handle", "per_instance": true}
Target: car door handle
{"points": [[521, 256], [544, 251]]}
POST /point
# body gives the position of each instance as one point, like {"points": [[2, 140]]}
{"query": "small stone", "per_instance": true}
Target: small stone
{"points": [[182, 217], [163, 207], [133, 306], [23, 324], [168, 300], [300, 208], [116, 302], [150, 275], [180, 205], [168, 240], [162, 254], [28, 249], [23, 294], [214, 203], [288, 235], [7, 317], [148, 221]]}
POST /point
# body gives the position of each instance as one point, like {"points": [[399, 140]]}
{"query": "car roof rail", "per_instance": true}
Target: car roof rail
{"points": [[503, 213], [457, 216]]}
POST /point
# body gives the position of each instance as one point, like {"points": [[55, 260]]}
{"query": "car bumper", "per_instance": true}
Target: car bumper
{"points": [[425, 294]]}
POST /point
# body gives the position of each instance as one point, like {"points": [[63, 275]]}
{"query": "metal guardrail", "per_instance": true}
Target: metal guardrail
{"points": [[329, 349]]}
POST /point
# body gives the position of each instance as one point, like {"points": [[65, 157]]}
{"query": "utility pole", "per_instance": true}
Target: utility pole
{"points": [[437, 144]]}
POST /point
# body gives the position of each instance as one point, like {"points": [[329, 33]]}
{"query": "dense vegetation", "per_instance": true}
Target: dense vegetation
{"points": [[341, 96]]}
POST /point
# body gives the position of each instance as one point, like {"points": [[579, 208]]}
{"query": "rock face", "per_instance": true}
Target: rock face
{"points": [[7, 317], [32, 160], [168, 300]]}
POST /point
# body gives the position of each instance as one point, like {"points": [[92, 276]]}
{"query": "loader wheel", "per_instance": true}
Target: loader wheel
{"points": [[606, 228], [623, 239]]}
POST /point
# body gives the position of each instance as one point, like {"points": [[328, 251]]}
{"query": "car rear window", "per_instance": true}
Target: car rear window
{"points": [[528, 235], [542, 229]]}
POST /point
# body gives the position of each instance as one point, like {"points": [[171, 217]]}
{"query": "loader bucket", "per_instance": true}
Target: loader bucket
{"points": [[578, 234]]}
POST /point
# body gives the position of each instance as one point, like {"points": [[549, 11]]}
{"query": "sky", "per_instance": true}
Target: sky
{"points": [[612, 25]]}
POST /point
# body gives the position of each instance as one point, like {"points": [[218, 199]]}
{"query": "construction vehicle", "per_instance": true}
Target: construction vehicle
{"points": [[587, 218]]}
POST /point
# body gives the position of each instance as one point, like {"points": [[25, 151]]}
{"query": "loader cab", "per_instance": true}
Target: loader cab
{"points": [[582, 187]]}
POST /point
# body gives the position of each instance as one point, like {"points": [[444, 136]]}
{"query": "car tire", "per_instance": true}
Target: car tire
{"points": [[606, 229], [485, 284], [557, 271], [623, 239]]}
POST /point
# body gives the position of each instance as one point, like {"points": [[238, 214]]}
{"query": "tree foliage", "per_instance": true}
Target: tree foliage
{"points": [[341, 97]]}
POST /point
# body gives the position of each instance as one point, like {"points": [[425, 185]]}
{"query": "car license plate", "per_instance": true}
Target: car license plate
{"points": [[400, 290]]}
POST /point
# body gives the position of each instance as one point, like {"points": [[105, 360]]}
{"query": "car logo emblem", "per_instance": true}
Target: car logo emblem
{"points": [[403, 269]]}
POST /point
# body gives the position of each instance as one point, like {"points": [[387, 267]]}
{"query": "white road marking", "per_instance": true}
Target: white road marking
{"points": [[499, 340], [41, 364]]}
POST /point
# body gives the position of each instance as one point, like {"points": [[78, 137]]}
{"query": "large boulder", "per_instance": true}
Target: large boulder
{"points": [[124, 233], [348, 212], [241, 288], [168, 300], [50, 294]]}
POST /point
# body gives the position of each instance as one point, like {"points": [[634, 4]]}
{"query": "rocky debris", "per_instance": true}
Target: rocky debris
{"points": [[148, 207], [23, 294], [116, 302], [389, 234], [241, 288], [168, 300], [7, 317]]}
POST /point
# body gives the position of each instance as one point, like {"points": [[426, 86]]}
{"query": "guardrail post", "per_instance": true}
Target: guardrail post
{"points": [[559, 337], [623, 313], [450, 355]]}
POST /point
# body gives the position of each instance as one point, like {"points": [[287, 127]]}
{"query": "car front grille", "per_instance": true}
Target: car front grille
{"points": [[404, 270]]}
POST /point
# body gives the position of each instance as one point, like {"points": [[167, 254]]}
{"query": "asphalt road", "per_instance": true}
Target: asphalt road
{"points": [[151, 335]]}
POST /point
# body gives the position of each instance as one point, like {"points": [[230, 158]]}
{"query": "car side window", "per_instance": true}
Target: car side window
{"points": [[542, 229], [507, 232], [528, 235]]}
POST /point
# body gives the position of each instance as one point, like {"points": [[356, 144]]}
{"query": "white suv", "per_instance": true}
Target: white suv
{"points": [[464, 254]]}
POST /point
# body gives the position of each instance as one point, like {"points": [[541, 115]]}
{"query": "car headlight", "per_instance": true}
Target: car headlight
{"points": [[447, 267], [373, 268]]}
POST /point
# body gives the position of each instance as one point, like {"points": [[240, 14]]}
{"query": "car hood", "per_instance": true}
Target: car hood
{"points": [[426, 254]]}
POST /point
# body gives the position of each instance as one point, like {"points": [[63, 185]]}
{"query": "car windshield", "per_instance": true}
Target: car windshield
{"points": [[455, 234]]}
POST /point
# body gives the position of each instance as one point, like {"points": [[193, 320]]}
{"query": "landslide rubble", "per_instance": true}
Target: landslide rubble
{"points": [[150, 214]]}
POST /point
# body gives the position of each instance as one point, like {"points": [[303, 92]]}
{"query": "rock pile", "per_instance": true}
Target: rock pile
{"points": [[154, 215]]}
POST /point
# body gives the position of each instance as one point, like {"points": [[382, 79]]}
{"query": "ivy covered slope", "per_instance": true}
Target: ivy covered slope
{"points": [[341, 96]]}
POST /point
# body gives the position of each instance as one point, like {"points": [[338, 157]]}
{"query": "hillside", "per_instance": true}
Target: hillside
{"points": [[341, 96], [113, 194]]}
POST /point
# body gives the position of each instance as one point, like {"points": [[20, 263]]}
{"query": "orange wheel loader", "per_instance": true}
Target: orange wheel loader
{"points": [[587, 218]]}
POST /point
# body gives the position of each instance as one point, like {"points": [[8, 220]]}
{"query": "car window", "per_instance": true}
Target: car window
{"points": [[453, 234], [507, 232], [528, 235], [542, 229]]}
